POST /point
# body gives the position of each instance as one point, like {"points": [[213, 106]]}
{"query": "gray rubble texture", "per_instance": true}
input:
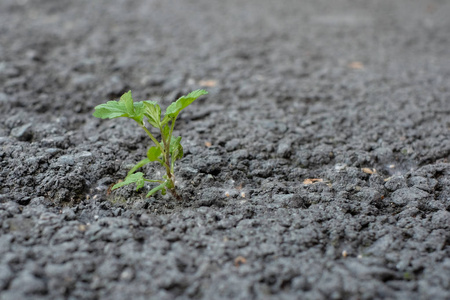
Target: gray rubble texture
{"points": [[316, 168]]}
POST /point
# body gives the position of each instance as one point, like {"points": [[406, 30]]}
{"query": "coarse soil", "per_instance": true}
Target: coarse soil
{"points": [[316, 168]]}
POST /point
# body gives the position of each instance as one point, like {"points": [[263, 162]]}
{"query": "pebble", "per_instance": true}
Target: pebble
{"points": [[395, 182], [284, 149], [23, 133], [404, 196], [66, 160], [5, 276], [28, 284]]}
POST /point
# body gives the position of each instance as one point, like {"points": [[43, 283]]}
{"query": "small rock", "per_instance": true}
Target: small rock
{"points": [[423, 183], [290, 200], [83, 155], [395, 183], [23, 133], [232, 145], [55, 142], [210, 165], [284, 149], [117, 212], [340, 167], [28, 284], [404, 196], [239, 154], [441, 219], [52, 151], [69, 214], [127, 274], [188, 172], [5, 276], [383, 154], [37, 201], [24, 200], [66, 160], [369, 195], [212, 196]]}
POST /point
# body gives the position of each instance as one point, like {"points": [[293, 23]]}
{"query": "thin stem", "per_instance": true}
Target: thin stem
{"points": [[170, 137], [175, 194], [171, 128], [156, 143], [152, 137], [166, 154], [151, 180]]}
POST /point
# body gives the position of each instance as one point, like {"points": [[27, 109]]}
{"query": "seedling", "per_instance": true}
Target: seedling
{"points": [[165, 152]]}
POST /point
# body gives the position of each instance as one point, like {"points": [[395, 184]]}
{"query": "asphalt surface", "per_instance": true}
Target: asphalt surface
{"points": [[316, 168]]}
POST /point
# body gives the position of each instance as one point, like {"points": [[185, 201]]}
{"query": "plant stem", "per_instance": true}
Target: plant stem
{"points": [[167, 159], [157, 144], [166, 153], [170, 137], [152, 137], [169, 173], [151, 180], [171, 129], [175, 194]]}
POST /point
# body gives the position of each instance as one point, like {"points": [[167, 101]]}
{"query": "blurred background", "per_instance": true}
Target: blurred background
{"points": [[90, 51]]}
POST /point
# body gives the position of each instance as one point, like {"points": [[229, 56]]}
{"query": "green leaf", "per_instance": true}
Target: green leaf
{"points": [[138, 165], [138, 115], [153, 153], [125, 107], [110, 110], [160, 187], [137, 178], [174, 109], [128, 101], [138, 112], [176, 150], [153, 113]]}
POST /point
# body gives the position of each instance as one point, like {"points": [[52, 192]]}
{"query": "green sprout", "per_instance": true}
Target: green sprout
{"points": [[165, 152]]}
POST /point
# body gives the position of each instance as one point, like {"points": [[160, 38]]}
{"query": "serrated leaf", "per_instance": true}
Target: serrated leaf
{"points": [[153, 113], [153, 153], [125, 107], [174, 109], [137, 178], [110, 110], [160, 187], [138, 165], [138, 112], [127, 99], [176, 150]]}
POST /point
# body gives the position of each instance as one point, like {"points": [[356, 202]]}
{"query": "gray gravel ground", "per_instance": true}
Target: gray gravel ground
{"points": [[355, 94]]}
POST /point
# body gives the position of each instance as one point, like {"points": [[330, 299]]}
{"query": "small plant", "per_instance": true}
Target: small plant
{"points": [[165, 152]]}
